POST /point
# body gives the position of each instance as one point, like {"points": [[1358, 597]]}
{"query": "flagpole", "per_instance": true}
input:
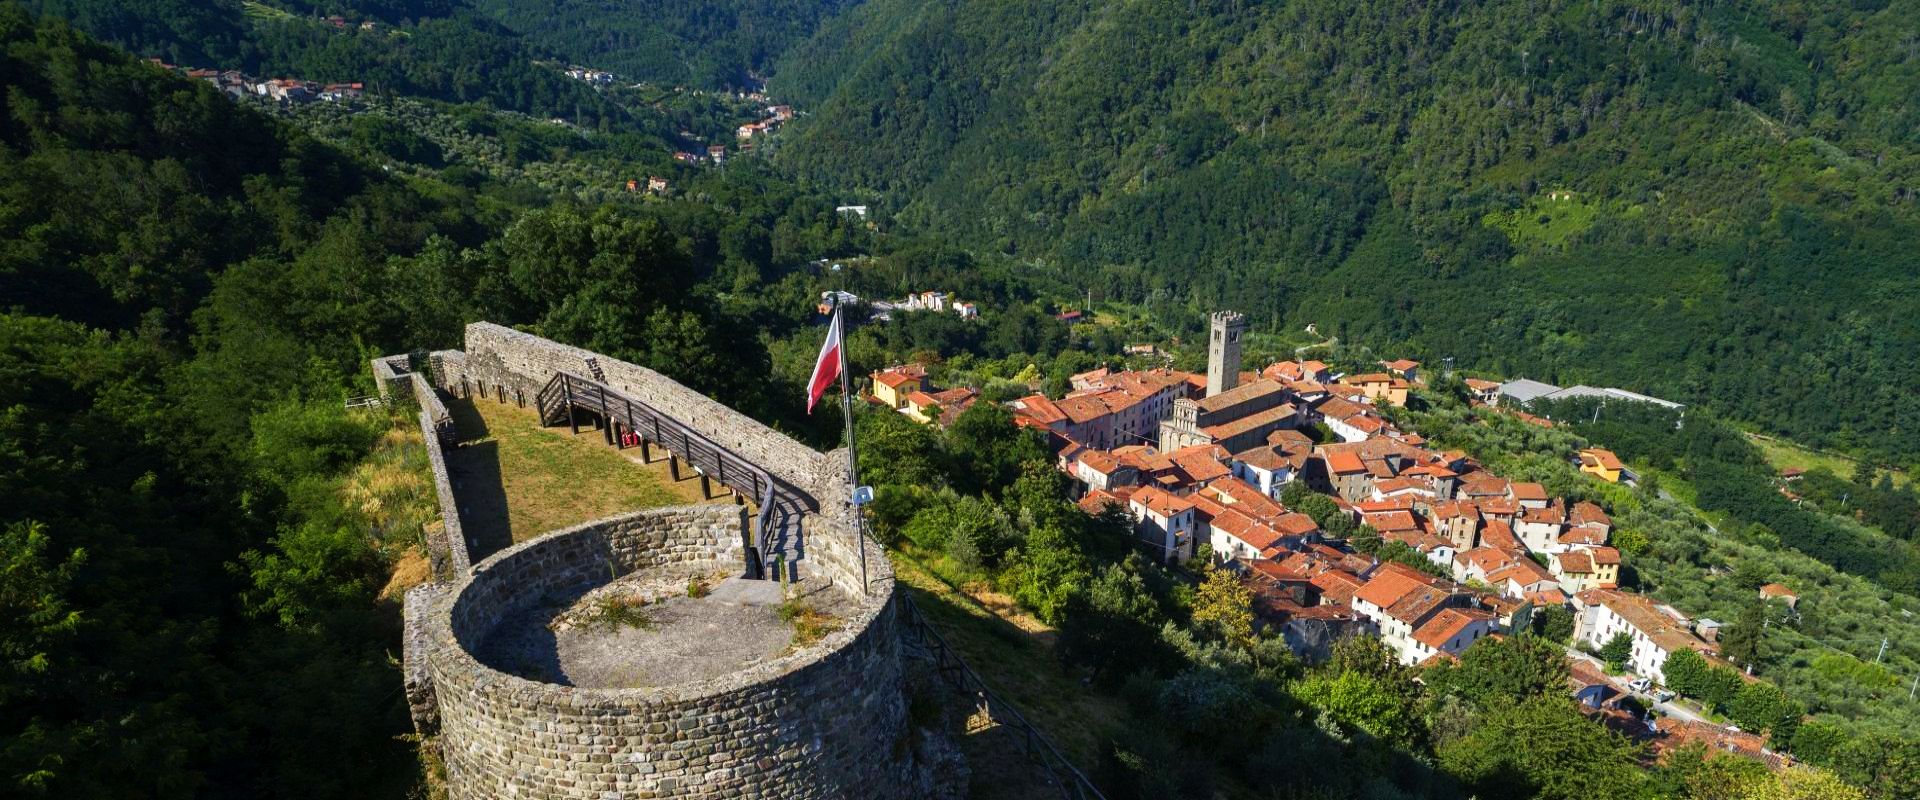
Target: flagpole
{"points": [[853, 464]]}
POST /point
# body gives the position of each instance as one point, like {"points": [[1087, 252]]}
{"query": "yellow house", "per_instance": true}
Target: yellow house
{"points": [[1602, 464], [894, 384], [1380, 387]]}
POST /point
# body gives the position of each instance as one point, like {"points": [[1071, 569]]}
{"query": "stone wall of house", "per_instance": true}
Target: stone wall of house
{"points": [[499, 358], [826, 721]]}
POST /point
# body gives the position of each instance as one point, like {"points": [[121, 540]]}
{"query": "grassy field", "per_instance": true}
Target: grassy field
{"points": [[1782, 454], [517, 480], [1016, 659]]}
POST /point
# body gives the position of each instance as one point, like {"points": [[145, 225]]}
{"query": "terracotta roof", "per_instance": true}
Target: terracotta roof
{"points": [[1604, 458], [1240, 394], [1160, 502], [1585, 535], [1575, 562], [1244, 528], [1585, 513], [1777, 590], [1389, 521], [1337, 585], [1097, 500], [1402, 365], [1527, 491], [1495, 533], [1271, 416], [1481, 386], [1295, 523], [1416, 605], [1448, 509], [1522, 571], [1604, 555], [1344, 463], [1448, 624], [1039, 408], [1387, 587], [894, 376], [1393, 485]]}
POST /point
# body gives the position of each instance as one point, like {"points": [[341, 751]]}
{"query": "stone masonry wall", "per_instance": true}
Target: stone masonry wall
{"points": [[826, 721], [503, 357], [447, 551]]}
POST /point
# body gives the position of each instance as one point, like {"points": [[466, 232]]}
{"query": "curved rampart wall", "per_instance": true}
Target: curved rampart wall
{"points": [[497, 356], [826, 721]]}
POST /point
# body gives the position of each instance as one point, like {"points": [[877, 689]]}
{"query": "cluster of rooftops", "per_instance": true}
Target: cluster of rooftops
{"points": [[1195, 474]]}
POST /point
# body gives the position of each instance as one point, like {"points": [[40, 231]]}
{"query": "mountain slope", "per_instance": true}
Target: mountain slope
{"points": [[712, 44], [1632, 192]]}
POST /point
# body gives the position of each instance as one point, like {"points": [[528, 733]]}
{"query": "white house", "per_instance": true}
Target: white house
{"points": [[1657, 631], [1164, 521]]}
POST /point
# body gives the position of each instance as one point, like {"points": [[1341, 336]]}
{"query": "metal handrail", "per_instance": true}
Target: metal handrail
{"points": [[777, 500], [1073, 783]]}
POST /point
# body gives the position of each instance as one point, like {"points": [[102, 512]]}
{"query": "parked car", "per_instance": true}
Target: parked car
{"points": [[1663, 695], [1640, 684]]}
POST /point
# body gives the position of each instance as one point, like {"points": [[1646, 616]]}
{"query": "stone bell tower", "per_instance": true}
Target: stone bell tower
{"points": [[1223, 351]]}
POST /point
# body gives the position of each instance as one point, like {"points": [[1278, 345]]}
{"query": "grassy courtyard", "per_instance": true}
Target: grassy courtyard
{"points": [[517, 480]]}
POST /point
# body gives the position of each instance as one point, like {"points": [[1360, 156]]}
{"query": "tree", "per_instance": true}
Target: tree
{"points": [[1761, 706], [1225, 605], [1751, 574], [1740, 640], [1617, 650], [1555, 624], [1045, 572], [1544, 748], [1364, 702], [1495, 672], [1686, 673]]}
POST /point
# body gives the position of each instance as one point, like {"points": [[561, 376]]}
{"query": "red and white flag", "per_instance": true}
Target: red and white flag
{"points": [[826, 368]]}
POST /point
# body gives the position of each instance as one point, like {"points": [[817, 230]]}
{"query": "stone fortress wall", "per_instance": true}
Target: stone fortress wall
{"points": [[827, 720]]}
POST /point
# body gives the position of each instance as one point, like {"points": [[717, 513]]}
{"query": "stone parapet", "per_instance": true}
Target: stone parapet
{"points": [[824, 721]]}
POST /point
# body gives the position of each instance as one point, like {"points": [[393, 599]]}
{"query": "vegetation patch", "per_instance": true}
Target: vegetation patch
{"points": [[810, 624]]}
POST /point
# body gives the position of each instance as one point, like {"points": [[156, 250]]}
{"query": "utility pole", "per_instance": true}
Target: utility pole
{"points": [[1915, 687], [1883, 650]]}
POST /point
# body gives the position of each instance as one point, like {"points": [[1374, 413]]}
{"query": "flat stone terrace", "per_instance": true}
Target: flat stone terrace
{"points": [[661, 636]]}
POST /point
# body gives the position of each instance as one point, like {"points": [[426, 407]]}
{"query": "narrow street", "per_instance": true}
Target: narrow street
{"points": [[1619, 682]]}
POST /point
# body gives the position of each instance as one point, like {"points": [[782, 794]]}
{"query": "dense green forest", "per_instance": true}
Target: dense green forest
{"points": [[423, 48], [714, 44], [192, 602], [196, 551], [1712, 201]]}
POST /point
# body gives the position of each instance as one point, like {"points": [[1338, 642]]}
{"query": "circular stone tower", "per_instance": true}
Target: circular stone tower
{"points": [[616, 659]]}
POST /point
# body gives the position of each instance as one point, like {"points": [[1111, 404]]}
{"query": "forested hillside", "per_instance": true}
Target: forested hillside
{"points": [[424, 48], [199, 545], [715, 45], [1713, 201]]}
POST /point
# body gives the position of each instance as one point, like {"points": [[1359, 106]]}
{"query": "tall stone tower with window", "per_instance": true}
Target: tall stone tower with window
{"points": [[1223, 351]]}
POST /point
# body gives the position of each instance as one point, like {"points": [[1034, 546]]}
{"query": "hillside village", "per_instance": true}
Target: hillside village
{"points": [[1428, 550]]}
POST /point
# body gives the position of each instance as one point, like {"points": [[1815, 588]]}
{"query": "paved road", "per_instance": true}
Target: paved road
{"points": [[1670, 709]]}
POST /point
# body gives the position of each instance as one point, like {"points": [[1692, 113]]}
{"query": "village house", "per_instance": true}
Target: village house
{"points": [[1606, 466], [892, 385], [1380, 387], [942, 407], [1487, 392], [1450, 632], [1164, 522], [1271, 466], [1403, 368], [1657, 631]]}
